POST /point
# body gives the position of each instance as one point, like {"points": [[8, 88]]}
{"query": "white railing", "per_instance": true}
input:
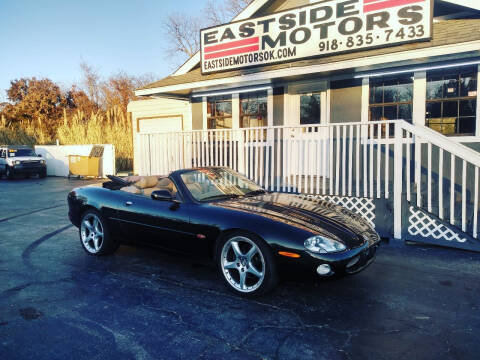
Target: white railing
{"points": [[370, 160], [446, 189]]}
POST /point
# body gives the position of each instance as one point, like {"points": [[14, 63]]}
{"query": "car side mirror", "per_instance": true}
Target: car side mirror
{"points": [[39, 155], [162, 195]]}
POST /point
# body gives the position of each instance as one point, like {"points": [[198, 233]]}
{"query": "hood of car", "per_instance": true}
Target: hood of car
{"points": [[24, 158], [310, 214]]}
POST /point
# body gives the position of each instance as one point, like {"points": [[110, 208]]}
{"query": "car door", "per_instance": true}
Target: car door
{"points": [[160, 223]]}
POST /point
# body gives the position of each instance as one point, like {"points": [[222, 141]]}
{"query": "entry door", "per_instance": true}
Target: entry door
{"points": [[310, 144]]}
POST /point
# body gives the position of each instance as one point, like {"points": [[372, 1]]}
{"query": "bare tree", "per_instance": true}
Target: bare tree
{"points": [[183, 34], [219, 12], [183, 31], [91, 82]]}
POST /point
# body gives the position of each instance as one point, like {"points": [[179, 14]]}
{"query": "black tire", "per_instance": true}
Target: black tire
{"points": [[107, 246], [42, 174], [223, 255], [9, 173]]}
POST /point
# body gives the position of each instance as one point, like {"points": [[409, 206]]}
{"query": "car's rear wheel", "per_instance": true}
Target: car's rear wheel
{"points": [[246, 264], [95, 235]]}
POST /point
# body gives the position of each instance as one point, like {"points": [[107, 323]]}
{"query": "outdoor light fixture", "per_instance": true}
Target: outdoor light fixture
{"points": [[233, 91], [425, 68]]}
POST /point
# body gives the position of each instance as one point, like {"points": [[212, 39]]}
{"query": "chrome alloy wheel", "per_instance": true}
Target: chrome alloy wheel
{"points": [[243, 264], [91, 232]]}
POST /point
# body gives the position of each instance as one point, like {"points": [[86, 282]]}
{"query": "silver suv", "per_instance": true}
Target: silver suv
{"points": [[21, 160]]}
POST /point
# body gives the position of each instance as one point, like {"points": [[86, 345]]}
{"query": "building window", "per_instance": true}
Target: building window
{"points": [[219, 112], [310, 109], [253, 109], [452, 101], [391, 99]]}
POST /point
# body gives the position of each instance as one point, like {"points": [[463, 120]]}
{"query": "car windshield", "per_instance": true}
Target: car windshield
{"points": [[21, 152], [218, 183]]}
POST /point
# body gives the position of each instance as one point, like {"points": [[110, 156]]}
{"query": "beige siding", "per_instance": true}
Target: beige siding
{"points": [[278, 107], [197, 115], [346, 104]]}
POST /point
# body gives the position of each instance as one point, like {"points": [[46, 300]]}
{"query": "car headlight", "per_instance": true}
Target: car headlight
{"points": [[323, 245], [16, 162], [42, 162]]}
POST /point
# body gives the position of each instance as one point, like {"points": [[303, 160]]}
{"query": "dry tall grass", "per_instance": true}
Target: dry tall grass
{"points": [[110, 127]]}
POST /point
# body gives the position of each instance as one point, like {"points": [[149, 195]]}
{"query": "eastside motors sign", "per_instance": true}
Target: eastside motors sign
{"points": [[325, 28]]}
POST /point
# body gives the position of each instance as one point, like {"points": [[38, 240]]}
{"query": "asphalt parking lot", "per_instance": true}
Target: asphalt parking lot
{"points": [[56, 302]]}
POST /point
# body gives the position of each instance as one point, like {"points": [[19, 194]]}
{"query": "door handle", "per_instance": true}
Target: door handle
{"points": [[128, 203]]}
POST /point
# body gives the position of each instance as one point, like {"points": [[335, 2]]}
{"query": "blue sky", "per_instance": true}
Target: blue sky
{"points": [[49, 38]]}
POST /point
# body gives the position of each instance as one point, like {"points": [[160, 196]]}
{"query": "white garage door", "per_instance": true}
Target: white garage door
{"points": [[160, 124]]}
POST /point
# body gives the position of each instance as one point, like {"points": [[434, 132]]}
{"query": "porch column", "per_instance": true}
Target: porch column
{"points": [[328, 119], [204, 113], [238, 134], [419, 97], [270, 107], [236, 111], [365, 100]]}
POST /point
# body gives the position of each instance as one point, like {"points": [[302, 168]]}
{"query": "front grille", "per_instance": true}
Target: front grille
{"points": [[361, 261], [30, 162]]}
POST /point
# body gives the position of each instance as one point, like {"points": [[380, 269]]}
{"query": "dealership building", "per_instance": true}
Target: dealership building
{"points": [[321, 64], [422, 77]]}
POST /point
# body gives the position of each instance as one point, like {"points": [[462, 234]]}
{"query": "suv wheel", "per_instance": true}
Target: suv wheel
{"points": [[9, 173]]}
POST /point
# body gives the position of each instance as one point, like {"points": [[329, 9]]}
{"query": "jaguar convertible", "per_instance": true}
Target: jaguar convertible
{"points": [[217, 213]]}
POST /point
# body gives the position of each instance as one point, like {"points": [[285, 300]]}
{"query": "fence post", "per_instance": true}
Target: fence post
{"points": [[398, 181]]}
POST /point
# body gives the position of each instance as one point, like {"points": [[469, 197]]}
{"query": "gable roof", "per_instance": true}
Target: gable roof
{"points": [[447, 32]]}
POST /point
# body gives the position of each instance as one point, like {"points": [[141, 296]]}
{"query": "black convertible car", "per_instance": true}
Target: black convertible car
{"points": [[218, 213]]}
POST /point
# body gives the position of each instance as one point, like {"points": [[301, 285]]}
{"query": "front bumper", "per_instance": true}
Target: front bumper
{"points": [[346, 262]]}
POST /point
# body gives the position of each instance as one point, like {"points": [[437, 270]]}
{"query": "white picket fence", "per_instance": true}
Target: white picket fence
{"points": [[365, 160]]}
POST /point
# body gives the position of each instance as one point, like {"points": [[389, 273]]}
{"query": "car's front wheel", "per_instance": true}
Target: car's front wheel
{"points": [[95, 235], [247, 264], [9, 173]]}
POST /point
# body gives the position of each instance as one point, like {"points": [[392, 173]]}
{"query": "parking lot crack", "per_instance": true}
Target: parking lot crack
{"points": [[168, 311], [31, 212], [14, 290], [30, 248]]}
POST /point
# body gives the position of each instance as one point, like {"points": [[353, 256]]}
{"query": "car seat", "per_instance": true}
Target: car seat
{"points": [[141, 185]]}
